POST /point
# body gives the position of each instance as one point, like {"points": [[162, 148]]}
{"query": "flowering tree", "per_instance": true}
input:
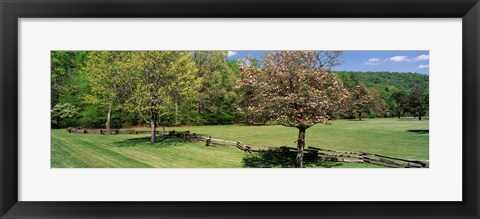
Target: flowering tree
{"points": [[62, 111], [293, 89]]}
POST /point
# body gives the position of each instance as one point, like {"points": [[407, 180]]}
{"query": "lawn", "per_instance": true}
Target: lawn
{"points": [[404, 138]]}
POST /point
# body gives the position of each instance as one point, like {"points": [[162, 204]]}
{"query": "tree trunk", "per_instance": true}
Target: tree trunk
{"points": [[109, 116], [300, 147], [398, 114], [419, 115], [153, 126], [360, 116], [176, 112]]}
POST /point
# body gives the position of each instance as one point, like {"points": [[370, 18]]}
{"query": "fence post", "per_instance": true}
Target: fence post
{"points": [[208, 141]]}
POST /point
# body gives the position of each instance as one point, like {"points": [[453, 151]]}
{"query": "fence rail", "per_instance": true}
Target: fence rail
{"points": [[114, 131]]}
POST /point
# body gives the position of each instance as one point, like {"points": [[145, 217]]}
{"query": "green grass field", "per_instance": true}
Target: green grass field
{"points": [[404, 138]]}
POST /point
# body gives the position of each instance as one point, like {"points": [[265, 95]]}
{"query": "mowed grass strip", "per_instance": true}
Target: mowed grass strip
{"points": [[90, 154], [186, 155], [125, 151], [405, 138], [61, 156]]}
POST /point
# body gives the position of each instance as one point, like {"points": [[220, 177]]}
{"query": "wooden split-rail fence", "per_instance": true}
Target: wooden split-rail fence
{"points": [[186, 135], [321, 154], [114, 131], [310, 153]]}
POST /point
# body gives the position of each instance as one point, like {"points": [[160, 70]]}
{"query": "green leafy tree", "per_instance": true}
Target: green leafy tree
{"points": [[294, 89], [378, 105], [217, 95], [108, 77], [399, 99], [161, 79], [64, 66], [417, 102], [359, 101], [425, 101]]}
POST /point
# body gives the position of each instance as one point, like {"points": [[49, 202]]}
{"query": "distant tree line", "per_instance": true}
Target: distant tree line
{"points": [[386, 94], [162, 88]]}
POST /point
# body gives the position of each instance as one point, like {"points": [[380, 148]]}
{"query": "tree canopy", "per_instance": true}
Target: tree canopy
{"points": [[161, 79], [292, 88]]}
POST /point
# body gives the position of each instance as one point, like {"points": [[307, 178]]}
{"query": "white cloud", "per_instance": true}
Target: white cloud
{"points": [[423, 66], [231, 53], [372, 61], [422, 57], [400, 59]]}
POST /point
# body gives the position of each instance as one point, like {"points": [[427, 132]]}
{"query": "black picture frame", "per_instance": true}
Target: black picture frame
{"points": [[12, 10]]}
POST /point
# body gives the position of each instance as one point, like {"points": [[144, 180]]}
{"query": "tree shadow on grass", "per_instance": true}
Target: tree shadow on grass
{"points": [[281, 160], [256, 124], [356, 120], [162, 141], [419, 131], [411, 119]]}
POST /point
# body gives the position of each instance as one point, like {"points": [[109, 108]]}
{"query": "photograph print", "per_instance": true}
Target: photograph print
{"points": [[240, 109]]}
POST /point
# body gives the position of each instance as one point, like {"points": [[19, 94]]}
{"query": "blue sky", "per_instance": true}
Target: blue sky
{"points": [[393, 61]]}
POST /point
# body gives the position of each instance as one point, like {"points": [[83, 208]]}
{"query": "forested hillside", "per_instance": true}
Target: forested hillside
{"points": [[383, 80], [392, 92]]}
